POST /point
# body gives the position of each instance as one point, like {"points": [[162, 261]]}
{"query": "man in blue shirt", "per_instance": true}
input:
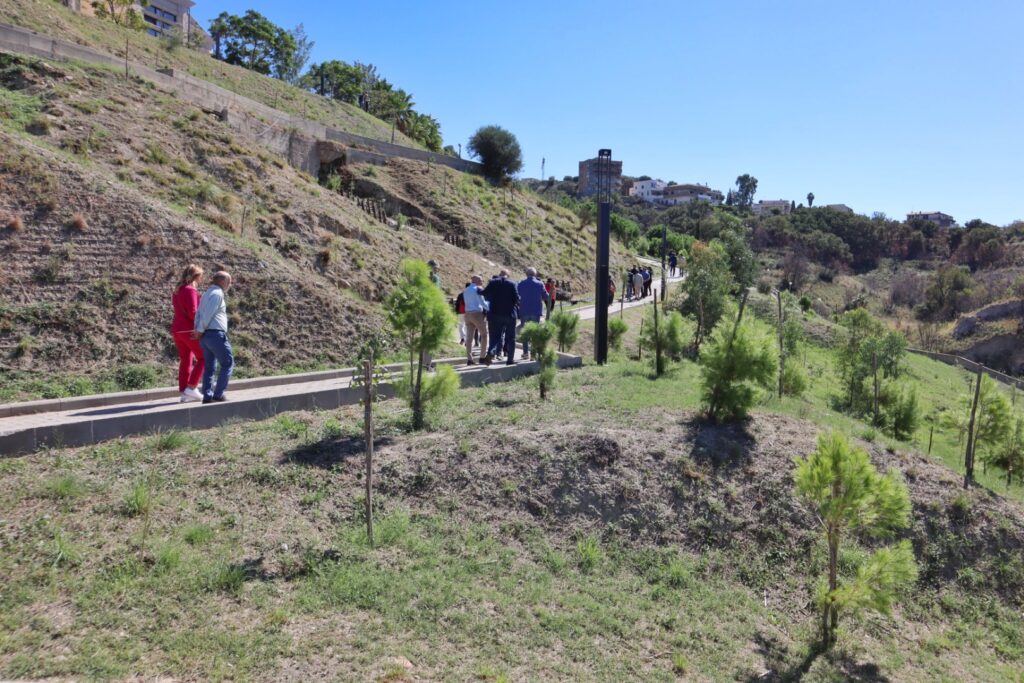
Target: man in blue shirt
{"points": [[503, 297], [532, 296], [476, 320]]}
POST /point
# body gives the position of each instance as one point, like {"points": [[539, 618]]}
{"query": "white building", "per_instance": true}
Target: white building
{"points": [[769, 206], [648, 190], [163, 17], [684, 194]]}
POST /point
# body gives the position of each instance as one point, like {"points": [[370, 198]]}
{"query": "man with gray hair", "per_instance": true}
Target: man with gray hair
{"points": [[211, 329], [532, 297], [503, 298], [476, 319]]}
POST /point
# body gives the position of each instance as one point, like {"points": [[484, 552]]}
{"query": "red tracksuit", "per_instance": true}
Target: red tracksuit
{"points": [[186, 302]]}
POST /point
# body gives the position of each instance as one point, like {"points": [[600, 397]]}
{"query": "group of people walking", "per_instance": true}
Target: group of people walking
{"points": [[493, 314], [639, 283], [200, 332]]}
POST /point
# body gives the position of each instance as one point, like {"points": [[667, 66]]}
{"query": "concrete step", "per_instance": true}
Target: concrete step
{"points": [[84, 420]]}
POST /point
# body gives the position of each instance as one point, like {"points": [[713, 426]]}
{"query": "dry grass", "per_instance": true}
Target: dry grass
{"points": [[15, 224], [78, 223]]}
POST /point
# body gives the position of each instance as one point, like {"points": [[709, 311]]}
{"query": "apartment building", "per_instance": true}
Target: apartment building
{"points": [[770, 206], [648, 190]]}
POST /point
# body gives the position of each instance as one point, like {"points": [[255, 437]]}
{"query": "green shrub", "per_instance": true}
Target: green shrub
{"points": [[139, 500], [588, 554], [902, 412], [566, 329], [736, 360], [135, 377], [617, 328], [538, 336], [664, 339], [794, 380]]}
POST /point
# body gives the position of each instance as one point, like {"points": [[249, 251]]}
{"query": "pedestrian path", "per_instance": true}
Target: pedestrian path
{"points": [[590, 312], [79, 421]]}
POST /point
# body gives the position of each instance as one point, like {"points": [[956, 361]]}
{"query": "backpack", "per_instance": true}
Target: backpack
{"points": [[460, 303]]}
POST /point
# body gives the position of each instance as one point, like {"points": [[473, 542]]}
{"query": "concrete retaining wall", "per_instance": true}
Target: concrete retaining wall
{"points": [[292, 137], [191, 416], [970, 366]]}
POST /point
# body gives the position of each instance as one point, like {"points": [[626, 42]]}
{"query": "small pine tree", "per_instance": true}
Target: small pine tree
{"points": [[662, 336], [617, 328], [901, 410], [737, 359], [1009, 457], [422, 319], [566, 329], [538, 336], [849, 496]]}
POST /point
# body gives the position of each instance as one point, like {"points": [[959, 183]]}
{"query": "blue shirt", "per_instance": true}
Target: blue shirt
{"points": [[474, 299], [532, 296]]}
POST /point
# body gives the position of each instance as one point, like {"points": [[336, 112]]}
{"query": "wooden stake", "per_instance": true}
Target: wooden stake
{"points": [[969, 455], [368, 435], [782, 349]]}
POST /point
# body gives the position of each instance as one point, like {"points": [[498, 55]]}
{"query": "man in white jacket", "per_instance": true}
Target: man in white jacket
{"points": [[212, 332]]}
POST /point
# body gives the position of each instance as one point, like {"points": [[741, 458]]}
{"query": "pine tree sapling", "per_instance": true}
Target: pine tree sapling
{"points": [[539, 336], [735, 361], [992, 423], [422, 320], [901, 410], [617, 328], [662, 338], [850, 497], [566, 329], [1009, 456]]}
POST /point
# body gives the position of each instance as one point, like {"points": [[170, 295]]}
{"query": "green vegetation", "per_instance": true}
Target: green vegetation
{"points": [[738, 360], [498, 151], [537, 336], [849, 496], [566, 329]]}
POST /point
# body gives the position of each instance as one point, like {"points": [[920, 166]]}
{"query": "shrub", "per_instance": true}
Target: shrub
{"points": [[135, 377], [764, 286], [794, 380], [139, 500], [617, 328], [15, 224], [78, 223], [566, 329], [902, 411], [662, 336], [737, 359], [589, 555], [805, 303]]}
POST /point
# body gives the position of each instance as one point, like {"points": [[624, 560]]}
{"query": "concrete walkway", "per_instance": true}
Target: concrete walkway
{"points": [[83, 420], [589, 312]]}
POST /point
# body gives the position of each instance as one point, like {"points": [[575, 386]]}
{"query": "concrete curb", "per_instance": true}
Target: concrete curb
{"points": [[192, 416]]}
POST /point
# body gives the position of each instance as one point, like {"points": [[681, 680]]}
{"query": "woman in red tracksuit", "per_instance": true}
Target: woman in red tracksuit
{"points": [[186, 302]]}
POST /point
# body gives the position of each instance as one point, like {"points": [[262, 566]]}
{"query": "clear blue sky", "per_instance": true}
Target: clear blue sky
{"points": [[884, 106]]}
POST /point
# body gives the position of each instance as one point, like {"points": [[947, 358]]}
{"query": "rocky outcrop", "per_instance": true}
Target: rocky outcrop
{"points": [[968, 324]]}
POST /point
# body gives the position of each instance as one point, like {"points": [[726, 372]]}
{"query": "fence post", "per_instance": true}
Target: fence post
{"points": [[368, 435], [969, 455]]}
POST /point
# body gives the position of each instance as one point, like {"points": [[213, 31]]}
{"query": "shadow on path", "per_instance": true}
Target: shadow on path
{"points": [[114, 410]]}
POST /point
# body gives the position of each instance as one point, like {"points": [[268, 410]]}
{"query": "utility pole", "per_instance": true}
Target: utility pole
{"points": [[664, 247], [604, 213]]}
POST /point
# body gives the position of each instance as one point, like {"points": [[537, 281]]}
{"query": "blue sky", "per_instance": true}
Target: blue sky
{"points": [[885, 106]]}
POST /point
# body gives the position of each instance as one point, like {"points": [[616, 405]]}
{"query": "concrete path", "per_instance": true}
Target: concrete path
{"points": [[589, 312], [29, 426]]}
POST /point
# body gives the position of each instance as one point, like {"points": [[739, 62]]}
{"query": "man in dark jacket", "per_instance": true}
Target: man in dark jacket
{"points": [[503, 296]]}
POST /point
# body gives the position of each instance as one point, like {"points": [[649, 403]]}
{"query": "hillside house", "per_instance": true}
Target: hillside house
{"points": [[686, 193], [767, 207], [648, 190], [941, 219]]}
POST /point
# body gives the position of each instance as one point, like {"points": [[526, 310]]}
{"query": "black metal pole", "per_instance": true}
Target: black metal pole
{"points": [[604, 220], [664, 245]]}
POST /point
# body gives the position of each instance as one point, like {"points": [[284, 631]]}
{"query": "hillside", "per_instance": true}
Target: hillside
{"points": [[607, 534], [53, 19], [158, 183]]}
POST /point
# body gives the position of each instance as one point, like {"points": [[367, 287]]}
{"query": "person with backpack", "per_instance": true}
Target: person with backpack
{"points": [[459, 305]]}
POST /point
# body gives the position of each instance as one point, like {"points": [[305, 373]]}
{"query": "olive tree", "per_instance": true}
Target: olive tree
{"points": [[850, 497], [498, 151]]}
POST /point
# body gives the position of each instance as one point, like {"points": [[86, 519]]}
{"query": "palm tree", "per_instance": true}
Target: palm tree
{"points": [[810, 199]]}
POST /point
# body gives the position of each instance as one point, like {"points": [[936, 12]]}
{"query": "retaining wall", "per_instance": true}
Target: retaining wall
{"points": [[293, 137], [970, 366]]}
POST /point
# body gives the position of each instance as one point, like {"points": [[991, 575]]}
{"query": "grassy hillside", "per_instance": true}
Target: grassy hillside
{"points": [[607, 534], [158, 183], [53, 19]]}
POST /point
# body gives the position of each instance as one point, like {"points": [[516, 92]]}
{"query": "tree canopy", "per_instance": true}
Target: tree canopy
{"points": [[498, 151]]}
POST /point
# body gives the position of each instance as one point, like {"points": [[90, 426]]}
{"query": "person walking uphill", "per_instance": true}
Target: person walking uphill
{"points": [[211, 329], [532, 297], [186, 302], [476, 320], [503, 297]]}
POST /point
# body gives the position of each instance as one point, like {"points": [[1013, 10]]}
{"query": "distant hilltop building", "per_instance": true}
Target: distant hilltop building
{"points": [[162, 17], [941, 219], [770, 206], [589, 184], [839, 207], [684, 194]]}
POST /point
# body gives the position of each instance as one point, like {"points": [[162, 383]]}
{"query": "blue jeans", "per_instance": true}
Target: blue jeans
{"points": [[216, 347], [522, 321], [502, 326]]}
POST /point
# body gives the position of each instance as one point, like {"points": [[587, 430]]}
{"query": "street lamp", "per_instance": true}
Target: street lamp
{"points": [[604, 210]]}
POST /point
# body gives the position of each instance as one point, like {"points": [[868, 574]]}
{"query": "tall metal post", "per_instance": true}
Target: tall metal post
{"points": [[604, 220], [664, 248]]}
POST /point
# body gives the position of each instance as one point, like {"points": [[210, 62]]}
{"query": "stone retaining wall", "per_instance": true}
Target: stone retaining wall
{"points": [[293, 137]]}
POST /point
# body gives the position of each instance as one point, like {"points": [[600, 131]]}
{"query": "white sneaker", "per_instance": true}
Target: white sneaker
{"points": [[190, 395]]}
